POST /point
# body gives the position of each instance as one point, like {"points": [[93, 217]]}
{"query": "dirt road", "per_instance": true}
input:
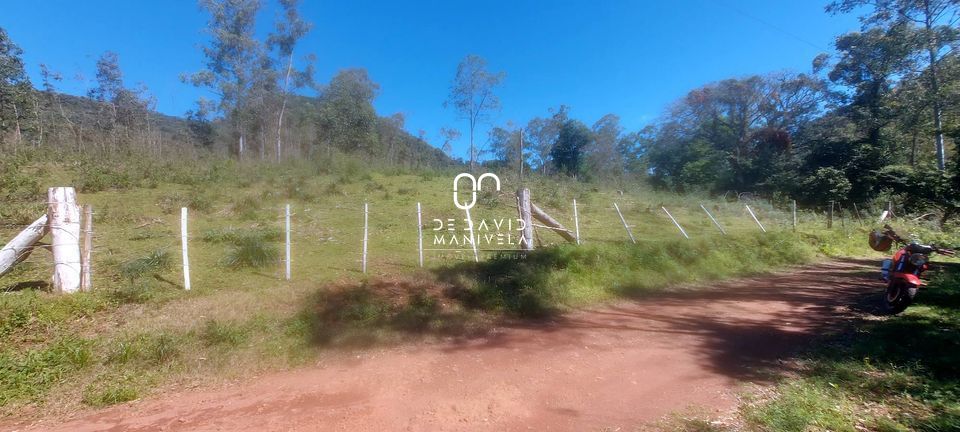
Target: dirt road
{"points": [[599, 369]]}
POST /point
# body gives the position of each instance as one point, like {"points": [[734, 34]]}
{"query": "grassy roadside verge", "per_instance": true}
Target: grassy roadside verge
{"points": [[894, 373], [44, 357]]}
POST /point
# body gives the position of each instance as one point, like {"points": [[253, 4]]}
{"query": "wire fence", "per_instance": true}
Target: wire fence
{"points": [[367, 237]]}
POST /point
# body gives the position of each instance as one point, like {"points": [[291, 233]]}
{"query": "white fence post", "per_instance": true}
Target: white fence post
{"points": [[629, 233], [420, 234], [287, 263], [365, 231], [675, 222], [714, 220], [576, 220], [64, 218], [795, 215], [754, 216], [183, 247]]}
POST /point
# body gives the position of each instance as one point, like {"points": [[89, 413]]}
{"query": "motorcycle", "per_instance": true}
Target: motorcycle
{"points": [[903, 272]]}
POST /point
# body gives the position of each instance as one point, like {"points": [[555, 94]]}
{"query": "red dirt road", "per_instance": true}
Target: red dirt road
{"points": [[611, 367]]}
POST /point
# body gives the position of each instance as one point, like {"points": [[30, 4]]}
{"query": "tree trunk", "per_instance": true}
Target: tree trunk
{"points": [[935, 88]]}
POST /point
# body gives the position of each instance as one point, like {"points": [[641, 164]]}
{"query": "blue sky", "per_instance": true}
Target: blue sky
{"points": [[631, 58]]}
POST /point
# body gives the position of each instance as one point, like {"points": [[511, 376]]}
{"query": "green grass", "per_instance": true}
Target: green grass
{"points": [[243, 317], [897, 373]]}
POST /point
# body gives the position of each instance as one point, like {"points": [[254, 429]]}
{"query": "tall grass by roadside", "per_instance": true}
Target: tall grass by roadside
{"points": [[897, 373]]}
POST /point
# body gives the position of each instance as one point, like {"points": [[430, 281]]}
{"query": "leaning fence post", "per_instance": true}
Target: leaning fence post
{"points": [[420, 234], [675, 222], [754, 216], [183, 248], [365, 221], [624, 223], [287, 229], [714, 220], [86, 283], [64, 218], [576, 220], [856, 211]]}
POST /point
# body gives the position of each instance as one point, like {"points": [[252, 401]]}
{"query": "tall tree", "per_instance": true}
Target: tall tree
{"points": [[937, 20], [604, 156], [541, 135], [574, 138], [15, 88], [232, 58], [472, 95], [346, 118], [283, 40]]}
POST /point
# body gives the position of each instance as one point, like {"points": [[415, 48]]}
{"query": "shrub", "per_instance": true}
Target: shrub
{"points": [[154, 262], [251, 251]]}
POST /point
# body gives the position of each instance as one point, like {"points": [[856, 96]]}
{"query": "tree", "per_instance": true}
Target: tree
{"points": [[868, 64], [15, 88], [448, 135], [346, 118], [541, 135], [937, 19], [574, 138], [285, 37], [231, 59], [604, 157], [504, 143], [472, 96]]}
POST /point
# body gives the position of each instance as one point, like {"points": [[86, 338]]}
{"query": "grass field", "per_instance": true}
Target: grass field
{"points": [[140, 331]]}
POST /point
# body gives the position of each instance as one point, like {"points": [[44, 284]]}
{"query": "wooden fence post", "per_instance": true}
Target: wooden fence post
{"points": [[675, 222], [576, 220], [856, 211], [64, 217], [629, 233], [526, 215], [183, 248], [18, 249], [420, 234], [86, 283], [754, 216], [714, 220], [365, 231], [287, 248]]}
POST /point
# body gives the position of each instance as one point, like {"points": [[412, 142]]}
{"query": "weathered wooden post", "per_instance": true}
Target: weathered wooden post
{"points": [[856, 211], [183, 248], [675, 222], [64, 216], [287, 248], [625, 226], [420, 234], [829, 215], [366, 212], [754, 216], [18, 249], [86, 281], [576, 220], [527, 218], [714, 220]]}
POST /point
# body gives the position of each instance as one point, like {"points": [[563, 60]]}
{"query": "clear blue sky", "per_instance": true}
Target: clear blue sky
{"points": [[631, 58]]}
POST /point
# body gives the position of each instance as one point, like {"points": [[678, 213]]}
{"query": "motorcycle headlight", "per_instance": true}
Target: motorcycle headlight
{"points": [[918, 259]]}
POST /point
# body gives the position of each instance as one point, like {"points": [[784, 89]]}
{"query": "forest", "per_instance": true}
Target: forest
{"points": [[875, 120]]}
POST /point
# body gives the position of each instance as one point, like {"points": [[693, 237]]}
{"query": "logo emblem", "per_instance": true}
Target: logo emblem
{"points": [[476, 184]]}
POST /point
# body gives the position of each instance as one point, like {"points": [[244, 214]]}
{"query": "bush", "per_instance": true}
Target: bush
{"points": [[251, 251], [153, 263]]}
